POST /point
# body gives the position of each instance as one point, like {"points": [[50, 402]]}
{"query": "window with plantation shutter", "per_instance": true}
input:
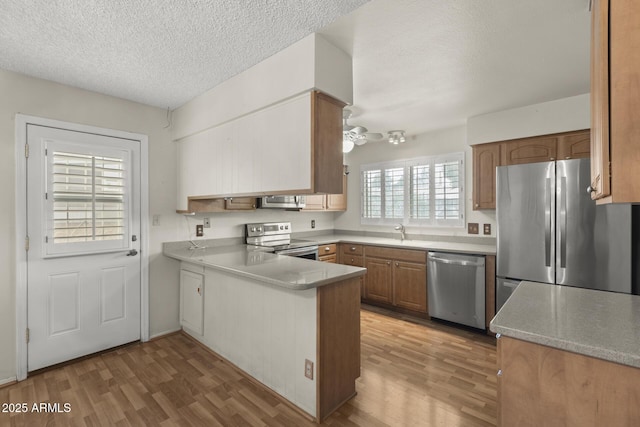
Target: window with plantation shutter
{"points": [[372, 195], [423, 191], [87, 199]]}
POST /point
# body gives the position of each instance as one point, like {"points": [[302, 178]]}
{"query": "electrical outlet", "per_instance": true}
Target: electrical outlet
{"points": [[206, 222], [156, 220], [308, 369], [487, 229], [472, 228], [313, 223], [199, 230]]}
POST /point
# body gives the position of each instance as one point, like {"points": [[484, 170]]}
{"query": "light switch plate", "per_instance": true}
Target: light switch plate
{"points": [[472, 228], [199, 230], [206, 222]]}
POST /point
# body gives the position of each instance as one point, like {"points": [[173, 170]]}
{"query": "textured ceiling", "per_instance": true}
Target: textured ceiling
{"points": [[157, 52], [418, 64]]}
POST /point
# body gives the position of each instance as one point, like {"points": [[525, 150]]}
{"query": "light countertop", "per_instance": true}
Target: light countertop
{"points": [[470, 248], [595, 323], [280, 270]]}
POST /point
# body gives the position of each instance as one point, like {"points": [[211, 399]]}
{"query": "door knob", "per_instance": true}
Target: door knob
{"points": [[132, 252], [590, 189]]}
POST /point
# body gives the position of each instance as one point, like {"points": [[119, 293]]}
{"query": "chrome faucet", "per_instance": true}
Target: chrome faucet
{"points": [[401, 228]]}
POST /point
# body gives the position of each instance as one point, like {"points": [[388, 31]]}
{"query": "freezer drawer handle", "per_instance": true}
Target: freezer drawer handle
{"points": [[455, 262]]}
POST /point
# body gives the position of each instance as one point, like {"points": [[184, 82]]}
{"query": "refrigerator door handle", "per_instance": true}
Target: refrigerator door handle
{"points": [[548, 225], [563, 222]]}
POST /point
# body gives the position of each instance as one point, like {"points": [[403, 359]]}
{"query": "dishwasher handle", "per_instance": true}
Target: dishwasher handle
{"points": [[454, 262]]}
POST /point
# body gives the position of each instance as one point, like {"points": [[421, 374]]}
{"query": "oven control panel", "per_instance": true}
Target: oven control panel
{"points": [[267, 229]]}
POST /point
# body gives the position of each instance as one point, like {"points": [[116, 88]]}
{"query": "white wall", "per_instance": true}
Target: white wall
{"points": [[428, 144], [229, 224], [560, 115], [22, 94]]}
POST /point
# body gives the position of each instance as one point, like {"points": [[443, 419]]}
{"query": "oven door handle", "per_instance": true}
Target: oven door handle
{"points": [[299, 251]]}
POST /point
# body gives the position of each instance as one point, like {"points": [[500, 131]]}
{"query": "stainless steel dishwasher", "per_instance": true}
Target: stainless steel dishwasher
{"points": [[455, 285]]}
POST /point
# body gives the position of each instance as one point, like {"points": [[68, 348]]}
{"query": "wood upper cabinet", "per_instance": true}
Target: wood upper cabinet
{"points": [[574, 145], [314, 202], [486, 157], [529, 150], [542, 386], [328, 202], [615, 101], [222, 205], [326, 141]]}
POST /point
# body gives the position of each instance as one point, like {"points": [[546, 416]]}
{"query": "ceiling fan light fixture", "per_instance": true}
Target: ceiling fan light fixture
{"points": [[347, 145], [396, 137]]}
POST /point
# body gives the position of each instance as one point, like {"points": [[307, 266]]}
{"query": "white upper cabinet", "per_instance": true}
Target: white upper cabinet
{"points": [[273, 129]]}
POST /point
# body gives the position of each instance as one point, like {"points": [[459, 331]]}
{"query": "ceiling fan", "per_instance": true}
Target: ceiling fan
{"points": [[357, 135]]}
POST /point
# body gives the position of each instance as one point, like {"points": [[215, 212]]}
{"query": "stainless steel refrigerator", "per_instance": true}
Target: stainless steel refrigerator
{"points": [[550, 231]]}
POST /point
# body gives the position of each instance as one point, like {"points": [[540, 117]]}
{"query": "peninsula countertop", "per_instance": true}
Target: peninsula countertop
{"points": [[605, 325], [470, 248], [279, 270]]}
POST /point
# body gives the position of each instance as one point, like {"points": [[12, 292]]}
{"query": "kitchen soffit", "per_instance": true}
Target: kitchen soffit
{"points": [[419, 65]]}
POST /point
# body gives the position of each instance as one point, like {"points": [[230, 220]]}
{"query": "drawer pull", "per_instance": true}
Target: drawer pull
{"points": [[327, 248], [353, 248]]}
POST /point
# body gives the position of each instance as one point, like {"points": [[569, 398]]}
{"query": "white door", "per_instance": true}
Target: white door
{"points": [[83, 222]]}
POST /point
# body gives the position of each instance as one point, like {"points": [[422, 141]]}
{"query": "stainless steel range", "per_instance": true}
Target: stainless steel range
{"points": [[277, 235]]}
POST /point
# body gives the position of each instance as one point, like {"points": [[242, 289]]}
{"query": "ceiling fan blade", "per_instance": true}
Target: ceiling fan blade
{"points": [[359, 130], [374, 136], [347, 128], [360, 141]]}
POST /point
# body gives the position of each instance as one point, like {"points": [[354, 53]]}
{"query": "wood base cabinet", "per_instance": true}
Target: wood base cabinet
{"points": [[328, 253], [544, 386], [352, 254], [379, 281], [396, 277]]}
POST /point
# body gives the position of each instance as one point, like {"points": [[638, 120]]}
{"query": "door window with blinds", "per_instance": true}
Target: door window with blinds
{"points": [[425, 191], [87, 199]]}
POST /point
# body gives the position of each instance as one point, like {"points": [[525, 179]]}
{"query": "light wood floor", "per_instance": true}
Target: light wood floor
{"points": [[414, 373]]}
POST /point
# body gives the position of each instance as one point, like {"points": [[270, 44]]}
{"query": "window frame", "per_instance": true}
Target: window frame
{"points": [[52, 249], [407, 164]]}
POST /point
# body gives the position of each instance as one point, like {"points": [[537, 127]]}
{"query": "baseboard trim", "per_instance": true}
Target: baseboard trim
{"points": [[8, 381], [164, 333]]}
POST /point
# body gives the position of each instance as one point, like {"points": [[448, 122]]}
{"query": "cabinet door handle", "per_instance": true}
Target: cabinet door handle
{"points": [[388, 262], [397, 264], [591, 189], [352, 260], [499, 373]]}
